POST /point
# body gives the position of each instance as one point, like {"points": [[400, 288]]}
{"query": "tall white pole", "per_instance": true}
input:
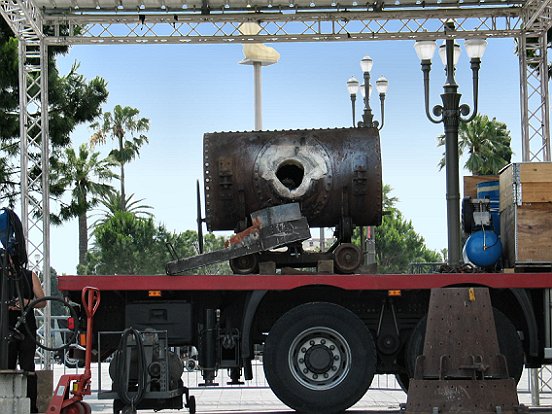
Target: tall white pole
{"points": [[258, 96]]}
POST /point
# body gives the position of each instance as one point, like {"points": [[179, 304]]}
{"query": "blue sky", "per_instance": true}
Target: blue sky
{"points": [[187, 90]]}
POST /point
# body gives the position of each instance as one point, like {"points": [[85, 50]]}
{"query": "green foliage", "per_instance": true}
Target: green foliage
{"points": [[72, 100], [398, 245], [85, 175], [487, 144], [130, 245], [113, 202], [125, 127]]}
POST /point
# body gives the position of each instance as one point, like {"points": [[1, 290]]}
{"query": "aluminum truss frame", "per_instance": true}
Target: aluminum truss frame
{"points": [[300, 27], [535, 130], [26, 22], [34, 145], [535, 106]]}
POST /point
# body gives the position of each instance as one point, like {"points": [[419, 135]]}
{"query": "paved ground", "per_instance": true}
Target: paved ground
{"points": [[383, 397]]}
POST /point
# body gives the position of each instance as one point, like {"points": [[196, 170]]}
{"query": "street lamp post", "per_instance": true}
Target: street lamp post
{"points": [[257, 55], [352, 87], [382, 85], [451, 113]]}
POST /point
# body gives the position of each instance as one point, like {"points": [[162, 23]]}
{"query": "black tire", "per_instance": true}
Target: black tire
{"points": [[117, 406], [192, 404], [347, 258], [403, 379], [509, 344], [414, 348], [245, 265], [299, 354]]}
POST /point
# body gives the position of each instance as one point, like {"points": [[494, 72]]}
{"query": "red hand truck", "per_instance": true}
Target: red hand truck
{"points": [[71, 388]]}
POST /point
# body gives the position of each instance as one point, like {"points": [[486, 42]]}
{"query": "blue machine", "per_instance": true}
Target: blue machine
{"points": [[483, 248], [481, 221], [491, 190]]}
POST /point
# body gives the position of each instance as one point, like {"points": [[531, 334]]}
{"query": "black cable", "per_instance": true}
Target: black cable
{"points": [[18, 279], [121, 368], [30, 308]]}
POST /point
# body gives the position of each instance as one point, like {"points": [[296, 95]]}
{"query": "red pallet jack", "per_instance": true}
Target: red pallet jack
{"points": [[72, 388]]}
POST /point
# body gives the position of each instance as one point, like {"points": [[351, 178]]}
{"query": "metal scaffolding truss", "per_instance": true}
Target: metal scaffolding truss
{"points": [[535, 109], [40, 23], [337, 26], [34, 148], [534, 99]]}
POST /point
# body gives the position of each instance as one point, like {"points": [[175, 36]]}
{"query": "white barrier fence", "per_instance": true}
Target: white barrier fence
{"points": [[536, 382]]}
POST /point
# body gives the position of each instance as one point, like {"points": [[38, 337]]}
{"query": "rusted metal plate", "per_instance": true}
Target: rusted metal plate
{"points": [[331, 173], [270, 230], [461, 340], [463, 396]]}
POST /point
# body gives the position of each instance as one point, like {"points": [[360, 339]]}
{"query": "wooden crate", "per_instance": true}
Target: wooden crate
{"points": [[471, 181], [526, 213]]}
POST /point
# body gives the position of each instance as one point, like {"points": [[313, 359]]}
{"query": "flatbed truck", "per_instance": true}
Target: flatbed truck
{"points": [[322, 336]]}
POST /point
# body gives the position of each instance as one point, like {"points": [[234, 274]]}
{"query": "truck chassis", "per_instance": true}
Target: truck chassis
{"points": [[317, 333]]}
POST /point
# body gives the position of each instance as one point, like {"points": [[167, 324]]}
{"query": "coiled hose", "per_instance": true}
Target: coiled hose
{"points": [[121, 368]]}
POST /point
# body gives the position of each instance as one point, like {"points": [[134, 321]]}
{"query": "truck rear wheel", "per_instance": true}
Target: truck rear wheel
{"points": [[319, 358], [508, 341]]}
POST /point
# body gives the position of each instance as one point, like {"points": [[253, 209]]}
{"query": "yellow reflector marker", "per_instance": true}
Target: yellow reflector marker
{"points": [[154, 293], [82, 339], [396, 292], [75, 386], [471, 294]]}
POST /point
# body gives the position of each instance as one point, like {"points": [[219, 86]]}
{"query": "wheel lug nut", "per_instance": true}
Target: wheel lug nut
{"points": [[322, 341], [336, 357], [332, 347], [301, 360], [326, 375], [311, 342], [303, 350], [315, 376], [334, 368], [305, 371]]}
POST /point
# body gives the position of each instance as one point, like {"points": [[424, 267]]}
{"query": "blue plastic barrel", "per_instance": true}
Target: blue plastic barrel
{"points": [[491, 190]]}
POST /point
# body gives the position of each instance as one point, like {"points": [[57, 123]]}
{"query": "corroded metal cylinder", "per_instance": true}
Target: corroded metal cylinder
{"points": [[332, 173]]}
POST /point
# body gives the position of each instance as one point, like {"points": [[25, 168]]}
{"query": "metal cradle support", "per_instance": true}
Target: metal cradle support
{"points": [[461, 369]]}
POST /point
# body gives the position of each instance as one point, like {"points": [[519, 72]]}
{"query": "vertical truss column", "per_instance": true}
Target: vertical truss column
{"points": [[35, 209], [535, 123]]}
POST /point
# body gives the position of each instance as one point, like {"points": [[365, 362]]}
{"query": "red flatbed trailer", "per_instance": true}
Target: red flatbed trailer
{"points": [[288, 282], [302, 324]]}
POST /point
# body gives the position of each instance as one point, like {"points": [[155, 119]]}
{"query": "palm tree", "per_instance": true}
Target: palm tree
{"points": [[389, 202], [487, 143], [87, 177], [112, 203], [123, 122]]}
